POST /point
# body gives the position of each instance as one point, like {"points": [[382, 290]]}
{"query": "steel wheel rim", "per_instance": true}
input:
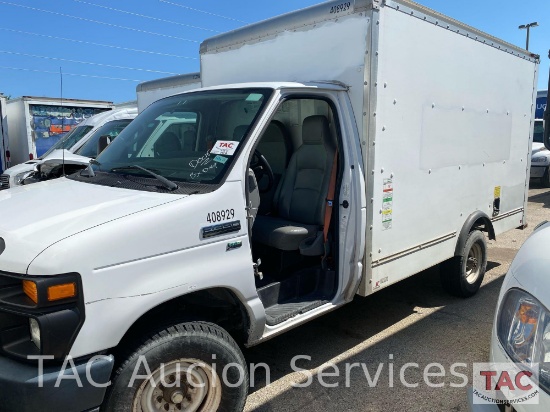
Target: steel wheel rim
{"points": [[187, 385], [473, 263]]}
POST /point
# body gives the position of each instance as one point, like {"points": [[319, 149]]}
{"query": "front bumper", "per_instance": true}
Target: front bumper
{"points": [[20, 389]]}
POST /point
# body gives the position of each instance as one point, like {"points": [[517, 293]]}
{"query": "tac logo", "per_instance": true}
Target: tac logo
{"points": [[495, 381], [226, 145], [498, 383]]}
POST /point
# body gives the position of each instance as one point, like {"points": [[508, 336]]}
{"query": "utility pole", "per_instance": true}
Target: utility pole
{"points": [[528, 27]]}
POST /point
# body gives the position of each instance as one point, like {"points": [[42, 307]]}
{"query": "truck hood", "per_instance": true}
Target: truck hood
{"points": [[36, 216], [20, 168], [57, 157], [537, 147], [530, 266]]}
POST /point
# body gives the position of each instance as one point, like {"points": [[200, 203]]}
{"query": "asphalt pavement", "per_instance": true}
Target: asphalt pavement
{"points": [[412, 322]]}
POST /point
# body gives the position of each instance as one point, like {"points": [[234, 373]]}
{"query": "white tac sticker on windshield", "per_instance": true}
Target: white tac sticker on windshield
{"points": [[225, 147]]}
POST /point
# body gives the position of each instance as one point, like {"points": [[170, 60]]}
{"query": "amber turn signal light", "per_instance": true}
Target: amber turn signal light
{"points": [[63, 291], [30, 290]]}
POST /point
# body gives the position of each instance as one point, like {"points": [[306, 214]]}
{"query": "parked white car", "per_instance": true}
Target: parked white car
{"points": [[540, 156], [72, 142], [521, 331]]}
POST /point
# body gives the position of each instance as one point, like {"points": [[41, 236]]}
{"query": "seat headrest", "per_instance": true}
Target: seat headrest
{"points": [[189, 138], [315, 130], [274, 132], [168, 139], [239, 132]]}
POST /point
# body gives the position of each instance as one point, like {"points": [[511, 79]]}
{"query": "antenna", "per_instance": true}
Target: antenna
{"points": [[62, 121]]}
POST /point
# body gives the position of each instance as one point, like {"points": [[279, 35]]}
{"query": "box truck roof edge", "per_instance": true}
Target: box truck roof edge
{"points": [[302, 19]]}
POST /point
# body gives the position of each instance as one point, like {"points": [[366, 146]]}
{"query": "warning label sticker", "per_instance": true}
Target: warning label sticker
{"points": [[387, 204]]}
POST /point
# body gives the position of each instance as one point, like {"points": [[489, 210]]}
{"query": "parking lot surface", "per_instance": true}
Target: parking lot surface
{"points": [[413, 321]]}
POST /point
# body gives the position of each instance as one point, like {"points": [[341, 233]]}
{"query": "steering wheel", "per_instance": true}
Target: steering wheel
{"points": [[260, 166]]}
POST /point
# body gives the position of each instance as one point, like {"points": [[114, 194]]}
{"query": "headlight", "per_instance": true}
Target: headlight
{"points": [[20, 177], [523, 328], [35, 332], [538, 160]]}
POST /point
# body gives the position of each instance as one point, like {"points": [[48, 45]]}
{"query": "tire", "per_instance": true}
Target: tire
{"points": [[545, 179], [462, 275], [189, 347]]}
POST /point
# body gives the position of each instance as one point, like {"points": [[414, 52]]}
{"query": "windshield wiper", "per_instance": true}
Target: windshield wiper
{"points": [[167, 183]]}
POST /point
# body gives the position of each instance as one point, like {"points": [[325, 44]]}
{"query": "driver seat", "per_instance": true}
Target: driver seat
{"points": [[300, 199]]}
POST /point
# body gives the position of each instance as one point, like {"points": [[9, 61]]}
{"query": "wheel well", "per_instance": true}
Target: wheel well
{"points": [[476, 221], [217, 305]]}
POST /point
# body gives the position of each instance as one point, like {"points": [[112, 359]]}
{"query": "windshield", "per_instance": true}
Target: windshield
{"points": [[538, 132], [70, 139], [111, 129], [191, 137]]}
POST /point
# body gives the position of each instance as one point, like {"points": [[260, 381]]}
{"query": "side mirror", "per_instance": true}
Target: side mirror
{"points": [[102, 143]]}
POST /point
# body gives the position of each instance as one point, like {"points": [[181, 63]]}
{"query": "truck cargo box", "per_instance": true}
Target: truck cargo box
{"points": [[444, 113], [153, 90]]}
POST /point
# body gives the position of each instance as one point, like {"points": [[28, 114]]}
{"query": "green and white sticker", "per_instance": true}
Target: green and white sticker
{"points": [[220, 159]]}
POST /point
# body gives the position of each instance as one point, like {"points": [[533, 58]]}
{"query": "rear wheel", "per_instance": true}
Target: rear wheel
{"points": [[191, 367], [462, 275]]}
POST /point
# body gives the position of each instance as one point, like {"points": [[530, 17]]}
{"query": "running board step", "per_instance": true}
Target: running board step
{"points": [[304, 291]]}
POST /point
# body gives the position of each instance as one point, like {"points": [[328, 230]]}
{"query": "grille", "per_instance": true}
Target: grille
{"points": [[4, 182]]}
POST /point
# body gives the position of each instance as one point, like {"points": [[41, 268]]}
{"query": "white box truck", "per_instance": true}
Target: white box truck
{"points": [[153, 90], [4, 162], [331, 152], [37, 123]]}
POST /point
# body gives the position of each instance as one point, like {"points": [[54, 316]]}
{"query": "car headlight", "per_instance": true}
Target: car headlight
{"points": [[538, 160], [523, 328], [20, 177], [35, 332]]}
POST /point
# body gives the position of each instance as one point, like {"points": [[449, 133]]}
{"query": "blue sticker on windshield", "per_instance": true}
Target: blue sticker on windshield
{"points": [[220, 159]]}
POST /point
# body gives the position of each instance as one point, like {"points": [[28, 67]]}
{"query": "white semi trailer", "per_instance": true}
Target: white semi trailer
{"points": [[37, 123], [153, 90], [331, 152]]}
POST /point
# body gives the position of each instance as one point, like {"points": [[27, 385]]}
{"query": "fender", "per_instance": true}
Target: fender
{"points": [[477, 220]]}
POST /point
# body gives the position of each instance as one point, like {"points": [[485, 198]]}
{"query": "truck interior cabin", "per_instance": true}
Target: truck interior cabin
{"points": [[291, 176]]}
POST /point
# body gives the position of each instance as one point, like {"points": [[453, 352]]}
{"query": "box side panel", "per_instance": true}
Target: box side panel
{"points": [[50, 122], [15, 112], [146, 97], [453, 124], [329, 51]]}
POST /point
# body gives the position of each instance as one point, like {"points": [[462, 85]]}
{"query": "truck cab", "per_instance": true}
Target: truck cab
{"points": [[263, 182]]}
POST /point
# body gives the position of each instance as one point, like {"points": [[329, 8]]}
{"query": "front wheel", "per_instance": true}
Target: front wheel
{"points": [[191, 367], [462, 275]]}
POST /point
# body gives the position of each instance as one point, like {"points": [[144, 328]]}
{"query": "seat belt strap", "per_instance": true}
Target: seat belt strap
{"points": [[330, 196]]}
